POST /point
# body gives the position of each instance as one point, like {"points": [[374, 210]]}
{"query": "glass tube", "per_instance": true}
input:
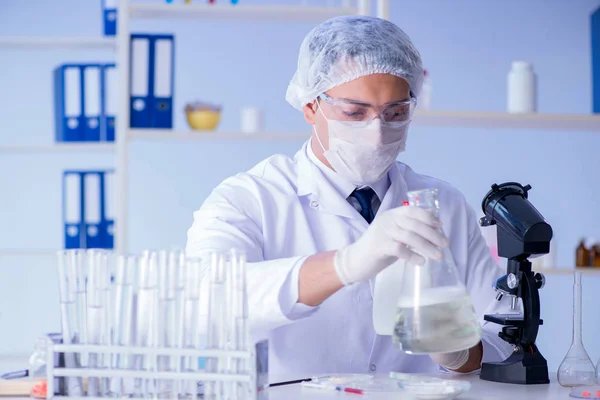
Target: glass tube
{"points": [[576, 368], [191, 293], [123, 311], [77, 269], [98, 302], [104, 259], [167, 322], [228, 365], [146, 318], [217, 320], [204, 307], [180, 316], [240, 315], [69, 323]]}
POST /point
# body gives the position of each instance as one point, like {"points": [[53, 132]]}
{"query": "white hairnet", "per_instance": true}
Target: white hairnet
{"points": [[345, 48]]}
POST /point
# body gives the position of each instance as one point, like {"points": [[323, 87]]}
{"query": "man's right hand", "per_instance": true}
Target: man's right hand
{"points": [[408, 233]]}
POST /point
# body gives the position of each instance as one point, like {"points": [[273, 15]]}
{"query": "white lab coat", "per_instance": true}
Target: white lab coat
{"points": [[284, 210]]}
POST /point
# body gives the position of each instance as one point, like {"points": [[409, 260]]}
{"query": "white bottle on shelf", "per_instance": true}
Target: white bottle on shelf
{"points": [[521, 88], [252, 120], [424, 100]]}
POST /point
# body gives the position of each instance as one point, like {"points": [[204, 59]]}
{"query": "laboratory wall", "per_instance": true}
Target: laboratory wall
{"points": [[467, 47]]}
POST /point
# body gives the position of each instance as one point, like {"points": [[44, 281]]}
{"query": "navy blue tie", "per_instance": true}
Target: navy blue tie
{"points": [[364, 198]]}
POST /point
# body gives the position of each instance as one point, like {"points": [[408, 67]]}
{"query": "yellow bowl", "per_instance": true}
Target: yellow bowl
{"points": [[203, 119]]}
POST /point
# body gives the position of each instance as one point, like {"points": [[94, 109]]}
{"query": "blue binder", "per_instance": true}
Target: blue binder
{"points": [[109, 17], [85, 210], [92, 101], [77, 102], [108, 216], [162, 90], [109, 102], [68, 103], [92, 209], [73, 210], [151, 77], [139, 75]]}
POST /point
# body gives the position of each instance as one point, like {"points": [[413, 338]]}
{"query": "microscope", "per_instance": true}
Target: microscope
{"points": [[522, 233]]}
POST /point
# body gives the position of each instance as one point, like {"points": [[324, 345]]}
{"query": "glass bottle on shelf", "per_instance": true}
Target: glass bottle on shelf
{"points": [[582, 255]]}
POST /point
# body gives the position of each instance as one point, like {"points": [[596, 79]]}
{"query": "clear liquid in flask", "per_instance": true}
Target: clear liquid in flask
{"points": [[442, 322]]}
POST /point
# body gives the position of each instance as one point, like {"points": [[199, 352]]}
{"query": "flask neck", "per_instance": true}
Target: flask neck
{"points": [[577, 310]]}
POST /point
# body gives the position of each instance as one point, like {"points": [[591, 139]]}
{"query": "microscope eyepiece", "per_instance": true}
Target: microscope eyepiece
{"points": [[522, 230]]}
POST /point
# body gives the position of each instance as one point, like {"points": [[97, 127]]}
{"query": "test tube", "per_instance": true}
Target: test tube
{"points": [[146, 318], [167, 314], [67, 291], [77, 269], [180, 297], [123, 312], [105, 260], [217, 318], [191, 292], [240, 314], [97, 301], [229, 364], [204, 311], [180, 318]]}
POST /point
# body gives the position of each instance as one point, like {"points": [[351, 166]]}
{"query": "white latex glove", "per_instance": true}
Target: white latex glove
{"points": [[452, 361], [392, 235]]}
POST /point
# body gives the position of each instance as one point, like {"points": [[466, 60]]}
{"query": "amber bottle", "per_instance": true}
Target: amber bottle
{"points": [[582, 255], [595, 255]]}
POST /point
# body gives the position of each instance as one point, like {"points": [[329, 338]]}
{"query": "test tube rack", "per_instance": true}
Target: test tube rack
{"points": [[254, 380]]}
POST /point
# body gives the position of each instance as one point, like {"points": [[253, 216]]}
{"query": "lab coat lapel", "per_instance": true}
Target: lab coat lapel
{"points": [[397, 192], [323, 196]]}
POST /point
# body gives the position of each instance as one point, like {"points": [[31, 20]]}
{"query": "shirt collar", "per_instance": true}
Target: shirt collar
{"points": [[344, 187]]}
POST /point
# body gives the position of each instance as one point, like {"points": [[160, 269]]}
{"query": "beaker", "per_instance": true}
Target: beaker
{"points": [[576, 368], [434, 311]]}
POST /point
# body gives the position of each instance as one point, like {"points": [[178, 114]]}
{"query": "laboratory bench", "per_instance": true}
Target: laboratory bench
{"points": [[480, 390]]}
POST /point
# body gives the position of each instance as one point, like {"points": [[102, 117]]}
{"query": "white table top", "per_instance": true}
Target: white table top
{"points": [[480, 389]]}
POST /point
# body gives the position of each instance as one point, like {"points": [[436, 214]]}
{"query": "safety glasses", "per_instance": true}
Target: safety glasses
{"points": [[358, 114]]}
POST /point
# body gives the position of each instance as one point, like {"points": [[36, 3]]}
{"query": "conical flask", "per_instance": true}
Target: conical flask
{"points": [[576, 368], [434, 311]]}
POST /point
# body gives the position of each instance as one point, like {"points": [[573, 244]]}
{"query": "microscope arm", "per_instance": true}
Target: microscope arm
{"points": [[530, 285]]}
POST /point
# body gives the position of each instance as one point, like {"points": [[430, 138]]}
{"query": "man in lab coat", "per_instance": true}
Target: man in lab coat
{"points": [[318, 228]]}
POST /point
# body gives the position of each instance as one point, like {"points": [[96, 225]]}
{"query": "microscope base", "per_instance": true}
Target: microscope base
{"points": [[520, 368]]}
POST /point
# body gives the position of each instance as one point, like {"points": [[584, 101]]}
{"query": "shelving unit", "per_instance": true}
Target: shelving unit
{"points": [[57, 148], [244, 12], [125, 135], [569, 271], [28, 252], [120, 44], [497, 120], [167, 134], [129, 11], [53, 43]]}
